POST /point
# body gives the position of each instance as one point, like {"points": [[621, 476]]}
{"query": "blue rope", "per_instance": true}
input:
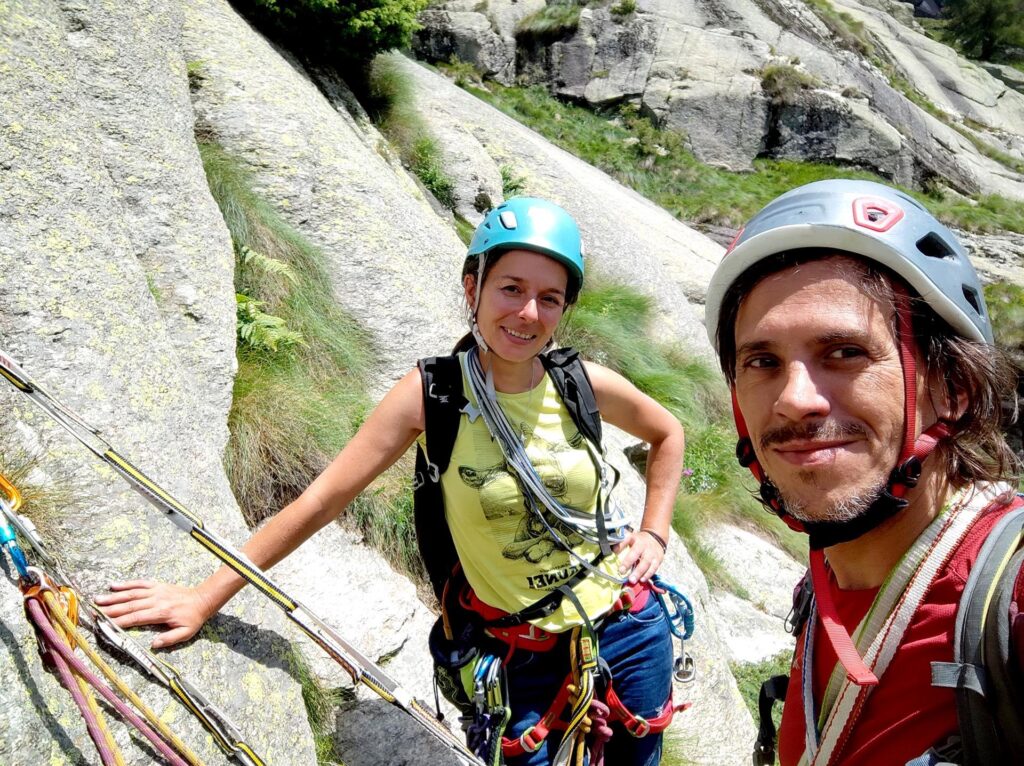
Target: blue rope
{"points": [[681, 611]]}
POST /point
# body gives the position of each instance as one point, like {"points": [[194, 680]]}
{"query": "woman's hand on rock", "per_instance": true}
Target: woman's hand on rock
{"points": [[149, 602]]}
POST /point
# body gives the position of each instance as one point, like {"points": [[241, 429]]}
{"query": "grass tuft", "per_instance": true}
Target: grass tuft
{"points": [[392, 107], [781, 82], [47, 494], [556, 20], [321, 704], [750, 675], [295, 403]]}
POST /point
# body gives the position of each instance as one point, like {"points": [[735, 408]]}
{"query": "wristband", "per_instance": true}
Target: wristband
{"points": [[656, 536]]}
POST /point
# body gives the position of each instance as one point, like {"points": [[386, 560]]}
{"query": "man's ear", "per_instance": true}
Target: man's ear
{"points": [[469, 289], [949, 405]]}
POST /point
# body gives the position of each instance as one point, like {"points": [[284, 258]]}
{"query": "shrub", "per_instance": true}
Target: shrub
{"points": [[344, 30], [512, 184], [623, 8]]}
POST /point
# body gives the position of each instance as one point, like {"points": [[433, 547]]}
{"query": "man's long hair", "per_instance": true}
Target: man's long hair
{"points": [[953, 366]]}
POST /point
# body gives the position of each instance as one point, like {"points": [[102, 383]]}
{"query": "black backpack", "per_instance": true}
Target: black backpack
{"points": [[442, 404], [985, 672]]}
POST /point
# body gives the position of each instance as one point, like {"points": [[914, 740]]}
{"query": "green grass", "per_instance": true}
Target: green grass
{"points": [[43, 503], [392, 107], [608, 325], [848, 31], [321, 702], [296, 406], [655, 163], [750, 676]]}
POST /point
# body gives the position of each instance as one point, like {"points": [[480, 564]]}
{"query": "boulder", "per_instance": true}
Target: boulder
{"points": [[468, 36], [118, 298], [608, 60], [706, 85], [821, 125]]}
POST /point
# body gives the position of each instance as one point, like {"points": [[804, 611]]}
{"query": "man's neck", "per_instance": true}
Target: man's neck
{"points": [[866, 562]]}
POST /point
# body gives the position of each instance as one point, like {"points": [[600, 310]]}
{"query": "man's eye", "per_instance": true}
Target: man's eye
{"points": [[845, 352], [759, 362]]}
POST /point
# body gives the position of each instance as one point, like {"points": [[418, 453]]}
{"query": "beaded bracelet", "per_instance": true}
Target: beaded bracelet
{"points": [[656, 536]]}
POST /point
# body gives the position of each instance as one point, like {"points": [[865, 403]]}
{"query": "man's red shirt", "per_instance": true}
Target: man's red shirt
{"points": [[904, 715]]}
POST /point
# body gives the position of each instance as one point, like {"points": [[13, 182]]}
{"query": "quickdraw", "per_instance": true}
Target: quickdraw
{"points": [[360, 668], [225, 734]]}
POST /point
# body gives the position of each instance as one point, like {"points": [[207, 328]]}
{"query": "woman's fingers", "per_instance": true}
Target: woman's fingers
{"points": [[147, 602], [172, 637], [641, 558]]}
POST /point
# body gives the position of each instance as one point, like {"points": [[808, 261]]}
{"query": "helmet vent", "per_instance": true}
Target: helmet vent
{"points": [[935, 246], [508, 220], [973, 298]]}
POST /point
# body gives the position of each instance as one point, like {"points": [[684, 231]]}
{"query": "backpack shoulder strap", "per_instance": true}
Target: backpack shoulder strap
{"points": [[442, 404], [566, 370], [982, 648]]}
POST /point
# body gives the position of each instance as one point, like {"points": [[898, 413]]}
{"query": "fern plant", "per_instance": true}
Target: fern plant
{"points": [[260, 331]]}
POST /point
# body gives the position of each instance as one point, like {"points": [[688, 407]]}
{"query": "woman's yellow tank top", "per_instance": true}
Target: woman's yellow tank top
{"points": [[508, 556]]}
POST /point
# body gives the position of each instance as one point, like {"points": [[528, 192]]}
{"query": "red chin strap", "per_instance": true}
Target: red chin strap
{"points": [[904, 477]]}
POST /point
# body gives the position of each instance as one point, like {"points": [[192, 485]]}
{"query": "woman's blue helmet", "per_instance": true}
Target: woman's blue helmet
{"points": [[528, 223]]}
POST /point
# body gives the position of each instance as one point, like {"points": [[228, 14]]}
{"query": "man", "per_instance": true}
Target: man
{"points": [[853, 332]]}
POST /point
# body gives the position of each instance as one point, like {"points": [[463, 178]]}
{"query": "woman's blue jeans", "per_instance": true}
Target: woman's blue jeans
{"points": [[637, 648]]}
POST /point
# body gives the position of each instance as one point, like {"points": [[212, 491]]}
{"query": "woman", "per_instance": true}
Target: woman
{"points": [[524, 268]]}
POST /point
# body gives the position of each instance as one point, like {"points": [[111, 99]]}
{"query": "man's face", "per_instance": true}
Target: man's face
{"points": [[820, 385]]}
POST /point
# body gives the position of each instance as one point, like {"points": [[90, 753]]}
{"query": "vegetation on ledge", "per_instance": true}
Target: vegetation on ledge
{"points": [[655, 163]]}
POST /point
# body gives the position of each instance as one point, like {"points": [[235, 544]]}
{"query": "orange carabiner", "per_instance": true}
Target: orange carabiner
{"points": [[13, 495]]}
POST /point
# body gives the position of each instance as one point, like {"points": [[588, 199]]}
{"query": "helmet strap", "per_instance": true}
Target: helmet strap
{"points": [[903, 477], [478, 287]]}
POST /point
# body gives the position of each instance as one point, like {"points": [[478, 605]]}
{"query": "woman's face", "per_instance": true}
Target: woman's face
{"points": [[522, 300]]}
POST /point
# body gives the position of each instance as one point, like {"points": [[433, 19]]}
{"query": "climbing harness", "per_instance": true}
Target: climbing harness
{"points": [[360, 668], [472, 641], [225, 734]]}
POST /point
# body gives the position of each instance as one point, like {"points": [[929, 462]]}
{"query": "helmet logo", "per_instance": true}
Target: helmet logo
{"points": [[734, 240], [508, 220], [876, 214]]}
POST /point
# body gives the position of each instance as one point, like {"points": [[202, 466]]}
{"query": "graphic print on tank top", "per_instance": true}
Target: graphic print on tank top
{"points": [[568, 474]]}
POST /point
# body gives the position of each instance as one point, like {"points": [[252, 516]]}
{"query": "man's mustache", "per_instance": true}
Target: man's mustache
{"points": [[818, 430]]}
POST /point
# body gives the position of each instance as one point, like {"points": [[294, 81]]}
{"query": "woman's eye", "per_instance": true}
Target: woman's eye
{"points": [[552, 300]]}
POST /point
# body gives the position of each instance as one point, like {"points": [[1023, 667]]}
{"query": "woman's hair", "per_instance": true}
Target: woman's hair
{"points": [[954, 367], [472, 267]]}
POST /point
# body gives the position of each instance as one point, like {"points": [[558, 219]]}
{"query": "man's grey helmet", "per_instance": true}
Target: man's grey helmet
{"points": [[870, 220]]}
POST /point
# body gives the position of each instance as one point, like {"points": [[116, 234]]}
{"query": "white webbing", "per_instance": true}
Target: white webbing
{"points": [[608, 522], [881, 631]]}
